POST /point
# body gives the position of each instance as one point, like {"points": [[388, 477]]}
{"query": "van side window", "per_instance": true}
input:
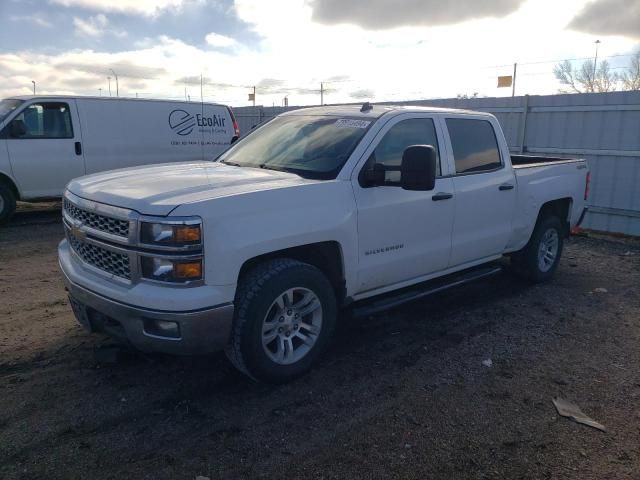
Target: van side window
{"points": [[474, 143], [414, 131], [43, 120]]}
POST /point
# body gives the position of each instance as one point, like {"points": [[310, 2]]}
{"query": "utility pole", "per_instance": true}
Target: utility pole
{"points": [[254, 96], [595, 67], [109, 78], [34, 87], [116, 75], [321, 93], [515, 70], [100, 90]]}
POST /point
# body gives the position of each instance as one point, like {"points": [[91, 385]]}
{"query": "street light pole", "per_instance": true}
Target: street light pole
{"points": [[109, 78], [34, 87], [595, 59], [116, 76]]}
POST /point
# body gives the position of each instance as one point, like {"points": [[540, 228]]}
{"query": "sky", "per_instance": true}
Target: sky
{"points": [[375, 50]]}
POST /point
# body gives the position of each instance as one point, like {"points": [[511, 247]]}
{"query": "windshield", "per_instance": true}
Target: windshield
{"points": [[8, 106], [310, 146]]}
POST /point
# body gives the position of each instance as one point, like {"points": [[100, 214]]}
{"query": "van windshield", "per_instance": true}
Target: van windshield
{"points": [[7, 106], [310, 146]]}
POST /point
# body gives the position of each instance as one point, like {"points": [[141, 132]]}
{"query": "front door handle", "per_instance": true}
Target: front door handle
{"points": [[78, 148], [505, 186], [441, 196]]}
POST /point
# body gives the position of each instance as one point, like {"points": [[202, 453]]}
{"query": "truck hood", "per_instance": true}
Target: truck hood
{"points": [[159, 189]]}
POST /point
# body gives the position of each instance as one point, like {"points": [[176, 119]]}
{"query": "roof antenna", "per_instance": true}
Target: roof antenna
{"points": [[366, 106]]}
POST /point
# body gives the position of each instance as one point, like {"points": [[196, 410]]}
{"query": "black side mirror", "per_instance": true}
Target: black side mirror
{"points": [[418, 170], [17, 129]]}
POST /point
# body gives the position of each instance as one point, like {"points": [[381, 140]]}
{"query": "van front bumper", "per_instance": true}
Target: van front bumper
{"points": [[183, 333]]}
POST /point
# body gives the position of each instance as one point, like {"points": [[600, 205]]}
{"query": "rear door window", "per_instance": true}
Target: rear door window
{"points": [[474, 143], [44, 120]]}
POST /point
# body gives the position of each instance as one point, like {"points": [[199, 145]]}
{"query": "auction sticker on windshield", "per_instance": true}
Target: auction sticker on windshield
{"points": [[347, 123]]}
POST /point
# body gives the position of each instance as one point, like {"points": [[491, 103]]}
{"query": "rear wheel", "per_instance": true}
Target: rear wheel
{"points": [[7, 203], [539, 260], [285, 315]]}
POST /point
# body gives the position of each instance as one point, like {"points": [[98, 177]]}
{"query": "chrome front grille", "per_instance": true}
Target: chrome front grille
{"points": [[97, 221], [115, 263]]}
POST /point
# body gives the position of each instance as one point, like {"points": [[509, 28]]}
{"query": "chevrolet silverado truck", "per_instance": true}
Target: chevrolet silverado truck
{"points": [[315, 211]]}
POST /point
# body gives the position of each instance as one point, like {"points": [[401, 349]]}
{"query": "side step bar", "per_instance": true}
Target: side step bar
{"points": [[395, 299]]}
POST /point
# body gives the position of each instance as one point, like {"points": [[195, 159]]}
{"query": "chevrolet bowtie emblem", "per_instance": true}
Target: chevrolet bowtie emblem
{"points": [[77, 232]]}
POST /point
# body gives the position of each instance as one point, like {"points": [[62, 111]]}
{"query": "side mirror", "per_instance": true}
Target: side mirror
{"points": [[17, 129], [418, 169]]}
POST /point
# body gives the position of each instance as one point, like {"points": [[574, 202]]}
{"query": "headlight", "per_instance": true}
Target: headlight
{"points": [[171, 270], [171, 235]]}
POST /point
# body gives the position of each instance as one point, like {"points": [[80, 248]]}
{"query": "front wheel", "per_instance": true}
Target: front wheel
{"points": [[285, 315], [539, 260]]}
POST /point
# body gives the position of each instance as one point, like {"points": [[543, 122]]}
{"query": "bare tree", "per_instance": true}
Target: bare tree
{"points": [[631, 78], [566, 75], [586, 79], [604, 79]]}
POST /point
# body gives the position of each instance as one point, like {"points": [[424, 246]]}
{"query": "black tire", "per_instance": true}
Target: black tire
{"points": [[526, 263], [7, 203], [257, 291]]}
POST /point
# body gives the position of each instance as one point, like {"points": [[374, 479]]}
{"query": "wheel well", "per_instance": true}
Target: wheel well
{"points": [[8, 182], [559, 208], [326, 256]]}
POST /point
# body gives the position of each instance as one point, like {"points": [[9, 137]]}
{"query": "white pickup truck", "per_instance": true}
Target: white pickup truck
{"points": [[318, 209]]}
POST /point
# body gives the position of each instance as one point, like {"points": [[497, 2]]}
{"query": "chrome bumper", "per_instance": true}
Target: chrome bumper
{"points": [[201, 331]]}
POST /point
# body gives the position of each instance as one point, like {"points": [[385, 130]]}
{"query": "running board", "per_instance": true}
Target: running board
{"points": [[394, 299]]}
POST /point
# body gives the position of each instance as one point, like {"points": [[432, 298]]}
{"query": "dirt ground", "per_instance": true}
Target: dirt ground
{"points": [[404, 394]]}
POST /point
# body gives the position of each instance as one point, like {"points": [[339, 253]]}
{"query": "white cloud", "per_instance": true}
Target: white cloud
{"points": [[149, 8], [95, 26], [396, 64], [217, 40], [35, 19], [92, 26]]}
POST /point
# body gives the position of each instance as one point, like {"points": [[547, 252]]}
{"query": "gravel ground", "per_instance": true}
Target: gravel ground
{"points": [[403, 394]]}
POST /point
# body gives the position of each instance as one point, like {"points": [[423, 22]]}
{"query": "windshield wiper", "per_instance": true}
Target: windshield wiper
{"points": [[233, 164], [277, 168]]}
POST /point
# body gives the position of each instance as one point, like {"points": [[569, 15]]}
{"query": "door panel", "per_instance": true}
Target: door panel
{"points": [[483, 211], [402, 234], [43, 154], [483, 215]]}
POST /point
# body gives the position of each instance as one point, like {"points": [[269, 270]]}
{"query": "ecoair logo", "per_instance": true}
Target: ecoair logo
{"points": [[182, 122]]}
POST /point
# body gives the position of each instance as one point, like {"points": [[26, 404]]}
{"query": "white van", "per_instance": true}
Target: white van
{"points": [[45, 141]]}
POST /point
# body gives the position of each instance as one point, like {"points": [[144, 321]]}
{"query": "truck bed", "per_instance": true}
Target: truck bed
{"points": [[527, 161]]}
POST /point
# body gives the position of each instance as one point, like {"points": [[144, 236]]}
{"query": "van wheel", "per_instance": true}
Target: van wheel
{"points": [[539, 260], [285, 315], [7, 203]]}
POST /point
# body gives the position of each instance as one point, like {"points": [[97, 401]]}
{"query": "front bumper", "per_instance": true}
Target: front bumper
{"points": [[201, 331]]}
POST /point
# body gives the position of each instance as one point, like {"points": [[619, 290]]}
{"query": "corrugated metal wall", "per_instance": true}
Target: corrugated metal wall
{"points": [[604, 128]]}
